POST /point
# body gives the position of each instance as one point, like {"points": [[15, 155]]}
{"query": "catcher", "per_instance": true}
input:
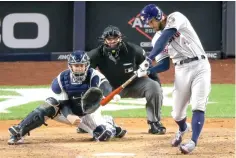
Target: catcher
{"points": [[77, 95]]}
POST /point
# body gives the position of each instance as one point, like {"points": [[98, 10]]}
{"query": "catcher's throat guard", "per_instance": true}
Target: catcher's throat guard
{"points": [[90, 101]]}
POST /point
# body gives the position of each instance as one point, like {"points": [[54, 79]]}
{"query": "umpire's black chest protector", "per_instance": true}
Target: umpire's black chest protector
{"points": [[119, 70]]}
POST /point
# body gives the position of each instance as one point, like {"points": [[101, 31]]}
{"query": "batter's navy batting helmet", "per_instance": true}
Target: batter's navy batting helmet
{"points": [[151, 11]]}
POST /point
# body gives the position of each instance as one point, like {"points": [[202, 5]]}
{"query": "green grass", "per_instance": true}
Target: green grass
{"points": [[213, 111], [222, 94], [136, 113], [2, 99], [6, 92], [19, 112]]}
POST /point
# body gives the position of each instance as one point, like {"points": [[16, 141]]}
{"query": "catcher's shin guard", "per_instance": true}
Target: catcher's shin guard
{"points": [[35, 119]]}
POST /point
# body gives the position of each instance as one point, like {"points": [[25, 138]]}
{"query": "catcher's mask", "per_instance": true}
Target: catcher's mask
{"points": [[78, 63], [90, 101], [112, 40]]}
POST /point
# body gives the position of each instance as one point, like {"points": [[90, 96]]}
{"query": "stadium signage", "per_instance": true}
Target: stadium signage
{"points": [[7, 36]]}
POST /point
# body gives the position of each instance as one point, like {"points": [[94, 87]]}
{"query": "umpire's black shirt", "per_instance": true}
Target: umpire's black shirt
{"points": [[120, 70]]}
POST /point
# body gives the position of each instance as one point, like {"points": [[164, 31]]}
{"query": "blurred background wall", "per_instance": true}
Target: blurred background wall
{"points": [[45, 31]]}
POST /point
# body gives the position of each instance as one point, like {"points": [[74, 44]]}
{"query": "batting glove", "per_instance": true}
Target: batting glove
{"points": [[143, 68]]}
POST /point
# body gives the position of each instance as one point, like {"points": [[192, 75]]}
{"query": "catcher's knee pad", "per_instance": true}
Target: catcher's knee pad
{"points": [[101, 133], [51, 107], [52, 101]]}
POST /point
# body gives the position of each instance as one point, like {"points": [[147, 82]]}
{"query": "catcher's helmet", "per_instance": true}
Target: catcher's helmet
{"points": [[151, 11], [79, 57]]}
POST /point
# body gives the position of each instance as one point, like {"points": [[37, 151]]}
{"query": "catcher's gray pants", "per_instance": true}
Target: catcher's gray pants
{"points": [[145, 87]]}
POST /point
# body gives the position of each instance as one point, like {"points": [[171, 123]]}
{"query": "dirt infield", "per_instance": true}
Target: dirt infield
{"points": [[58, 140]]}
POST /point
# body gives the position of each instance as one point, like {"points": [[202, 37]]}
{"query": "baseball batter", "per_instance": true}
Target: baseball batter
{"points": [[76, 100], [192, 69]]}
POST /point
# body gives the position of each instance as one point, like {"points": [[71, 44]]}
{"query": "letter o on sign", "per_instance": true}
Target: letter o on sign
{"points": [[8, 30]]}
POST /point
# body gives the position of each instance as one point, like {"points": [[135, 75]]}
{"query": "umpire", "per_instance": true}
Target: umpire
{"points": [[118, 60]]}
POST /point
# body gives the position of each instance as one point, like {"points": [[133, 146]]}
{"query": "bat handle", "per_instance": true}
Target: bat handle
{"points": [[128, 81]]}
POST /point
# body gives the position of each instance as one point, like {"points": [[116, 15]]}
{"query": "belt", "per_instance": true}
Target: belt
{"points": [[188, 60]]}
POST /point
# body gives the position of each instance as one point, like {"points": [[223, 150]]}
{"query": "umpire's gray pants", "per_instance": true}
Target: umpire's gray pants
{"points": [[145, 87]]}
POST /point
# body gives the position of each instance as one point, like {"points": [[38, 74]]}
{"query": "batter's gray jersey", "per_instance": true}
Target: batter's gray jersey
{"points": [[185, 43]]}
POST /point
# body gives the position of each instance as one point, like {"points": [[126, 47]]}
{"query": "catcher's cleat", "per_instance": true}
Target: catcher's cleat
{"points": [[14, 140], [15, 136], [120, 133], [156, 128], [178, 136], [188, 147]]}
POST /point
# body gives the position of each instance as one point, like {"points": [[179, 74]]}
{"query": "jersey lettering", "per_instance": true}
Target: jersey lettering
{"points": [[176, 35]]}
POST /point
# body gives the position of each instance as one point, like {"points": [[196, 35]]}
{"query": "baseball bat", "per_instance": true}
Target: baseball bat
{"points": [[110, 96]]}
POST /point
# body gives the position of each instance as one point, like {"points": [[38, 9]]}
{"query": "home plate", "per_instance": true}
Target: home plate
{"points": [[114, 154]]}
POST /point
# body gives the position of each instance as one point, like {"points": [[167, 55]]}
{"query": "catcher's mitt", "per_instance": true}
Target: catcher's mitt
{"points": [[91, 100]]}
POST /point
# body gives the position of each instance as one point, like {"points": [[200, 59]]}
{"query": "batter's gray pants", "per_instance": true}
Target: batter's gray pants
{"points": [[145, 87]]}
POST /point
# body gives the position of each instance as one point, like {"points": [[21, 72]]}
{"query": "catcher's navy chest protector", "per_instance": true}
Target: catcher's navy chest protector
{"points": [[74, 90], [76, 93]]}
